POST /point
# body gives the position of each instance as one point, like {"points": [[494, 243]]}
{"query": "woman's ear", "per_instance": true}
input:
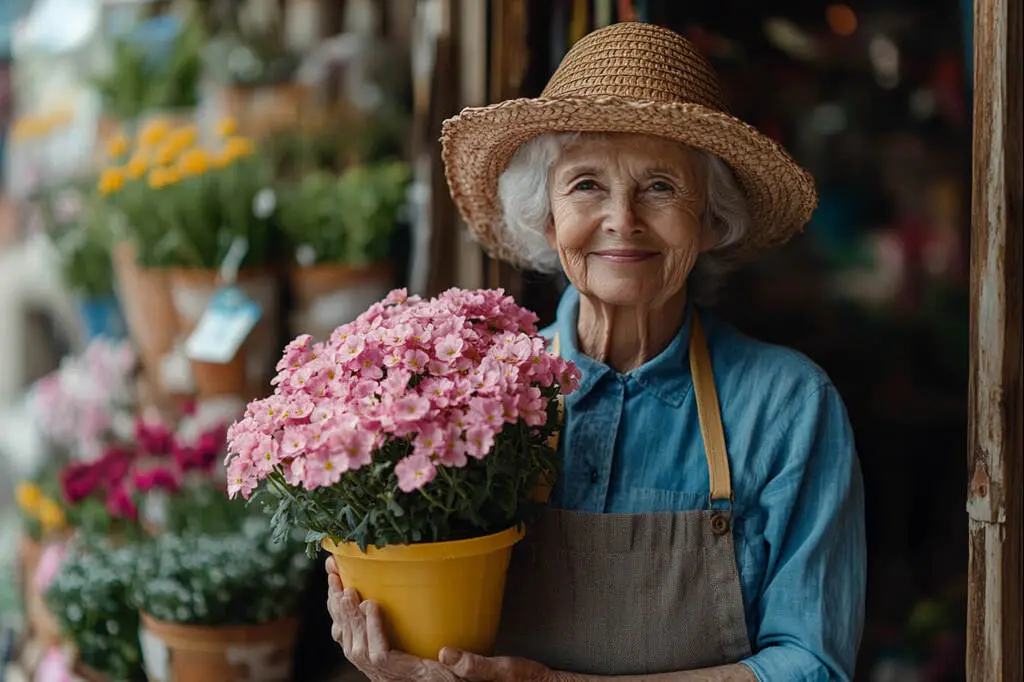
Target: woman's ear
{"points": [[549, 233]]}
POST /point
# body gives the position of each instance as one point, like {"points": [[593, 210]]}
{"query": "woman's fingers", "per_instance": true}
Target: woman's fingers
{"points": [[376, 640], [355, 621], [331, 565]]}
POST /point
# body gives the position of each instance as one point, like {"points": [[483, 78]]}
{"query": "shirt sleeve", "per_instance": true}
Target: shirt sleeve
{"points": [[811, 611]]}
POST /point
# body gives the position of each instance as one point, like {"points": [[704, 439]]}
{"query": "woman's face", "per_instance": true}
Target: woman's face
{"points": [[626, 217]]}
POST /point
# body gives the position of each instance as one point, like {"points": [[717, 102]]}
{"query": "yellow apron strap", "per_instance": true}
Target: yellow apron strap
{"points": [[556, 437], [709, 413]]}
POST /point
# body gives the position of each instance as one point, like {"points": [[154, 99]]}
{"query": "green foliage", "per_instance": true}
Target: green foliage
{"points": [[350, 219], [237, 578], [84, 243], [89, 599], [367, 507], [135, 86]]}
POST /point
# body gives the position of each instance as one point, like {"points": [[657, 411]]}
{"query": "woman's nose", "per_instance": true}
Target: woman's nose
{"points": [[621, 218]]}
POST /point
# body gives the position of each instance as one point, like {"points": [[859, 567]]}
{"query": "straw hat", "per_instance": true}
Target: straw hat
{"points": [[626, 78]]}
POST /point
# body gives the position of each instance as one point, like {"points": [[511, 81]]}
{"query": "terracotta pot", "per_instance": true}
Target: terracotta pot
{"points": [[213, 380], [264, 109], [89, 675], [191, 292], [329, 295], [41, 624], [145, 295], [196, 653]]}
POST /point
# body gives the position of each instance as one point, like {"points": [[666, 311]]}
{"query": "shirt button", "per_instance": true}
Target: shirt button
{"points": [[594, 476]]}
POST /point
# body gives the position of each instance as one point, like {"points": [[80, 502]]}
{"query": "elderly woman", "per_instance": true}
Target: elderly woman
{"points": [[708, 522]]}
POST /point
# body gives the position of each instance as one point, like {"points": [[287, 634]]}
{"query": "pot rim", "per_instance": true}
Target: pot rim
{"points": [[215, 637], [429, 551]]}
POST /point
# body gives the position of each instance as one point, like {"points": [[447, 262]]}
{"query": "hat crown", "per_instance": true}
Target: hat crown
{"points": [[638, 62]]}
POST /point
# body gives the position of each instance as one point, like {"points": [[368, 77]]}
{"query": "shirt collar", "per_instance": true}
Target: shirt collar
{"points": [[667, 375]]}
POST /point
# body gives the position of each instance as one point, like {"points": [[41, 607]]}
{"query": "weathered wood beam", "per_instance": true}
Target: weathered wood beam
{"points": [[995, 455]]}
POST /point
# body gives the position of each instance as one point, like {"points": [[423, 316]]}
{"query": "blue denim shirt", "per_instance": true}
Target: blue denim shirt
{"points": [[631, 444]]}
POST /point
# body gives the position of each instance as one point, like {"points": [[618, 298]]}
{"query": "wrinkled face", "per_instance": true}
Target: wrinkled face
{"points": [[626, 217]]}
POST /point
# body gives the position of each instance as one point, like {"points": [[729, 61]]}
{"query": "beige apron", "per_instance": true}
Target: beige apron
{"points": [[630, 594]]}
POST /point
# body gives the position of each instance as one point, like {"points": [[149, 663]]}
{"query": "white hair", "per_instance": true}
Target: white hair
{"points": [[526, 208]]}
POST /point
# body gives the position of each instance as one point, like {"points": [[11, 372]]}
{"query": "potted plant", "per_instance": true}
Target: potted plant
{"points": [[342, 230], [219, 607], [89, 597], [44, 528], [87, 403], [157, 69], [186, 205], [139, 253], [411, 445], [77, 226]]}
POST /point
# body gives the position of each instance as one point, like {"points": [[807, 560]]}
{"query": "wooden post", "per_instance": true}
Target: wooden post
{"points": [[995, 458], [508, 62]]}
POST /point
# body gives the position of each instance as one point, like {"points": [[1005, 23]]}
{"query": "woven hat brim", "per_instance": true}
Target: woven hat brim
{"points": [[478, 144]]}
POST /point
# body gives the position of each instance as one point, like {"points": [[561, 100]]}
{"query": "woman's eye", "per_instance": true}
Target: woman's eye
{"points": [[661, 186], [585, 185]]}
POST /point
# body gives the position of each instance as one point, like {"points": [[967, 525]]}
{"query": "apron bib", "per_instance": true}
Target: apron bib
{"points": [[631, 594]]}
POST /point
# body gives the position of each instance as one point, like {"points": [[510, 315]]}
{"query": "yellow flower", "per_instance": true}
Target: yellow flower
{"points": [[154, 132], [111, 181], [184, 137], [118, 146], [238, 147], [157, 178], [51, 515], [137, 166], [29, 496], [227, 127], [194, 162]]}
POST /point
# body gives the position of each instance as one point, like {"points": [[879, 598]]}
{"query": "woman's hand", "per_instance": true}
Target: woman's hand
{"points": [[359, 629], [474, 668]]}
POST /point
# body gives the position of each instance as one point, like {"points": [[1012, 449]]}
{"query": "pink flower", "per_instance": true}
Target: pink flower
{"points": [[415, 360], [49, 565], [265, 455], [486, 411], [241, 477], [322, 470], [293, 440], [356, 446], [453, 452], [414, 472], [410, 408], [532, 407], [296, 353], [429, 440], [449, 348], [479, 440]]}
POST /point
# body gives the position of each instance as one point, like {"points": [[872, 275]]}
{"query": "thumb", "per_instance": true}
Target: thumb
{"points": [[474, 667]]}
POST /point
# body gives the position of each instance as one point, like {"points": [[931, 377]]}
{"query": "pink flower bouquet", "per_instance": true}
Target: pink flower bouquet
{"points": [[421, 421]]}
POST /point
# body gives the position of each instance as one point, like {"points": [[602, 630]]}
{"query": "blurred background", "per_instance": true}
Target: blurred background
{"points": [[152, 151]]}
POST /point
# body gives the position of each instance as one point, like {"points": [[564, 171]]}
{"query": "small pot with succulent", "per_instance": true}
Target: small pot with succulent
{"points": [[342, 229], [220, 607], [89, 597]]}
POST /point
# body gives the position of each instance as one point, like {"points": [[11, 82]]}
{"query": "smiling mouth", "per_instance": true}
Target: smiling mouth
{"points": [[625, 255]]}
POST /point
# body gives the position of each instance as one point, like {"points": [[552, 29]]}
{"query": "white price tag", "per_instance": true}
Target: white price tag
{"points": [[224, 327]]}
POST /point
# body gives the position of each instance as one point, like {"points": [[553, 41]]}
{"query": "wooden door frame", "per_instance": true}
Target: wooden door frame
{"points": [[995, 460]]}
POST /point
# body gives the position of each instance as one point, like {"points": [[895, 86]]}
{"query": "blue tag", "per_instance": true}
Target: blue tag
{"points": [[226, 323]]}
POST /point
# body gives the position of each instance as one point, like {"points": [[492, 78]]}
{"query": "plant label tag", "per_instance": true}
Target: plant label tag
{"points": [[224, 326]]}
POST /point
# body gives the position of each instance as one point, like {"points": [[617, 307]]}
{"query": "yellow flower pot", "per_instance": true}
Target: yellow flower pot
{"points": [[434, 594]]}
